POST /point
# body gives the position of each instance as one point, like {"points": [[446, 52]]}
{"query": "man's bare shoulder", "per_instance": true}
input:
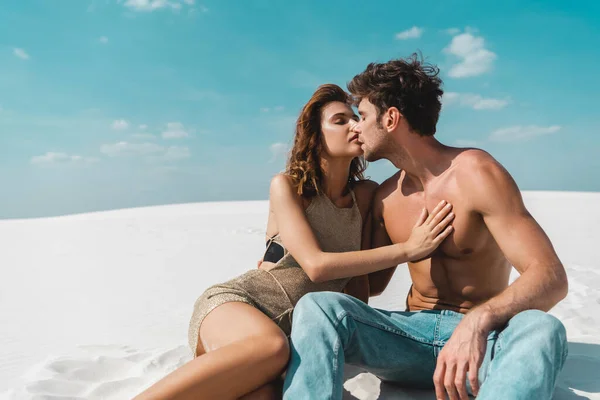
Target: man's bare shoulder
{"points": [[478, 166], [384, 190], [365, 187], [388, 186], [364, 191], [484, 178], [471, 157]]}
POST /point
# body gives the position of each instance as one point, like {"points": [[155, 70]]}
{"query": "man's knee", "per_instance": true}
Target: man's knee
{"points": [[541, 322], [543, 326]]}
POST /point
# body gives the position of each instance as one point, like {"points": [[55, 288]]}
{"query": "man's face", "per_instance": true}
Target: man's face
{"points": [[370, 132]]}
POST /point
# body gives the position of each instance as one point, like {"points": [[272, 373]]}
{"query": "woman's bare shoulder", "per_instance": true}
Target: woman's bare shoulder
{"points": [[281, 181], [283, 190]]}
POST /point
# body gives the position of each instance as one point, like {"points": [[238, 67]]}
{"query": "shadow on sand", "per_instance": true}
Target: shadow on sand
{"points": [[581, 373]]}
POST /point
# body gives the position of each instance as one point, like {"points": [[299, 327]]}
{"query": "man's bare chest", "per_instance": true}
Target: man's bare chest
{"points": [[401, 212]]}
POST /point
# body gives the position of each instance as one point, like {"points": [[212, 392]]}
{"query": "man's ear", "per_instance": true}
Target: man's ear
{"points": [[392, 119]]}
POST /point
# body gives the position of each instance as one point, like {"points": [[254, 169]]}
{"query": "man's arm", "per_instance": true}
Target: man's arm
{"points": [[543, 280], [379, 280], [358, 286], [542, 284]]}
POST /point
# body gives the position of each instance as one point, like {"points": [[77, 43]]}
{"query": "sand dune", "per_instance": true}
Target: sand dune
{"points": [[96, 306]]}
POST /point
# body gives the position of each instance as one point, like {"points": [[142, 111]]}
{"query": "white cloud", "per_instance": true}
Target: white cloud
{"points": [[475, 59], [279, 150], [151, 151], [175, 130], [143, 136], [22, 54], [63, 158], [131, 149], [175, 153], [103, 39], [50, 157], [450, 97], [279, 108], [412, 33], [170, 154], [489, 104], [473, 101], [265, 109], [515, 133], [120, 125], [151, 5], [452, 31], [143, 127]]}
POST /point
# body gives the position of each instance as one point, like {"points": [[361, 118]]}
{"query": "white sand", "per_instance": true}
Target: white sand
{"points": [[96, 306]]}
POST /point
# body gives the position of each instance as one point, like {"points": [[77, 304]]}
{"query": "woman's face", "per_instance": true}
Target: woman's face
{"points": [[339, 138]]}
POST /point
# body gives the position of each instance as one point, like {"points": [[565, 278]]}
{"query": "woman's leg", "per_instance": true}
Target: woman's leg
{"points": [[270, 391], [245, 350]]}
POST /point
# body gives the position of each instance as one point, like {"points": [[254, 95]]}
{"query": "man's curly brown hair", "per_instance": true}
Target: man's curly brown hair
{"points": [[409, 84]]}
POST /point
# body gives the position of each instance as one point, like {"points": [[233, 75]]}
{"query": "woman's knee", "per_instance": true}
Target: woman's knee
{"points": [[277, 348]]}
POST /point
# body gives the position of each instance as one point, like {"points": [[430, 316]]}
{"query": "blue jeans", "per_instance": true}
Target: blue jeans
{"points": [[331, 329]]}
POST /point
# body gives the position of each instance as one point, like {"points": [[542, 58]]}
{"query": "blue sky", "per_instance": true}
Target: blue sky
{"points": [[118, 103]]}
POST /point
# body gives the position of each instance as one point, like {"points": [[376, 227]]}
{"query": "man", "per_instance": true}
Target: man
{"points": [[465, 329]]}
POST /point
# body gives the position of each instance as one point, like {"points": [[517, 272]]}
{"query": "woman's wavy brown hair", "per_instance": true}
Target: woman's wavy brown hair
{"points": [[304, 163]]}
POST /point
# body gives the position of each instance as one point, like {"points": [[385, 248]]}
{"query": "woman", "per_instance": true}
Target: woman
{"points": [[315, 230]]}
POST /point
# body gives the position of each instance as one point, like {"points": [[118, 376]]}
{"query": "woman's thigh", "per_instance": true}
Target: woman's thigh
{"points": [[236, 321]]}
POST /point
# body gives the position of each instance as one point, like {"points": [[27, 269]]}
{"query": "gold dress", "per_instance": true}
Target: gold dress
{"points": [[276, 291]]}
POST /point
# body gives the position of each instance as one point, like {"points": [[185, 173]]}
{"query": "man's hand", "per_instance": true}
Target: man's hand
{"points": [[463, 353], [430, 231]]}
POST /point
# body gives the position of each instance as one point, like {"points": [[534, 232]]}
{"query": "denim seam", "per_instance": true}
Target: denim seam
{"points": [[565, 353], [498, 344], [345, 313], [436, 335], [336, 349]]}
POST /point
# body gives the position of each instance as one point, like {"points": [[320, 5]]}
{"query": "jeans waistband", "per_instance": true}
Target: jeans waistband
{"points": [[449, 313]]}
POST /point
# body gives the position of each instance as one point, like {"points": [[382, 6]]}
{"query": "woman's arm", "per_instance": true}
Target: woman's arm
{"points": [[320, 266]]}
